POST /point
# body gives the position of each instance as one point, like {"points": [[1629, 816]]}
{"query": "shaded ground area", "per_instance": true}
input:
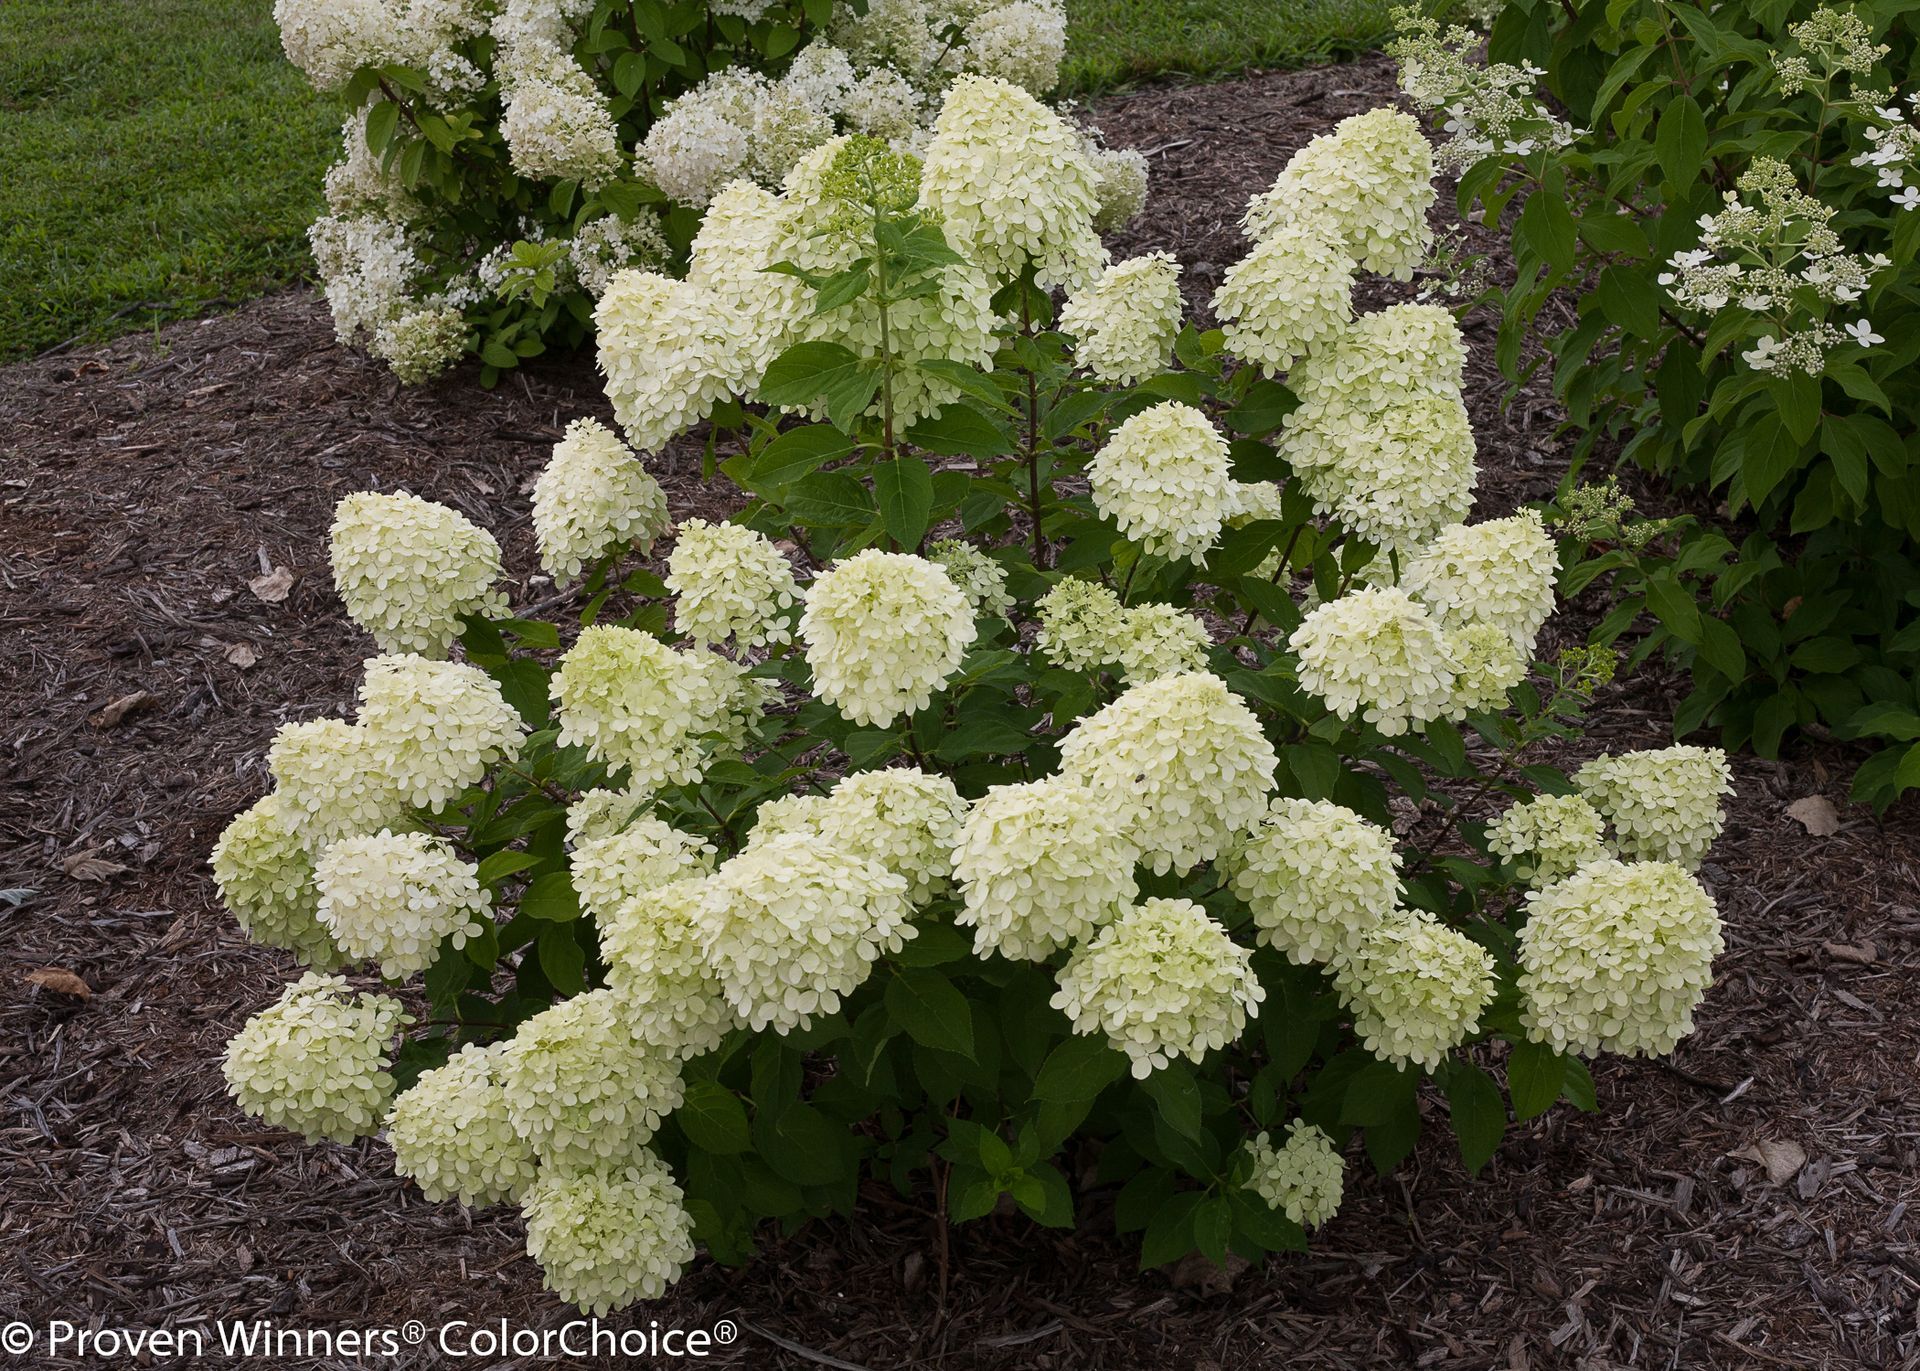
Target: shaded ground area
{"points": [[144, 486]]}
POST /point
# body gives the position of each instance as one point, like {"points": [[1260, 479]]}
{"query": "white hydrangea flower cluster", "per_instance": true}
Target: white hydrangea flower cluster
{"points": [[657, 967], [331, 782], [1486, 668], [419, 344], [1182, 761], [1020, 41], [1291, 295], [583, 1087], [1082, 625], [739, 239], [1318, 878], [901, 818], [730, 582], [1837, 40], [407, 569], [1416, 988], [794, 925], [981, 579], [1548, 836], [1377, 653], [1663, 804], [1161, 981], [1041, 865], [368, 265], [607, 1236], [452, 1134], [884, 631], [1012, 186], [555, 121], [265, 876], [436, 727], [1616, 957], [316, 1060], [1370, 182], [1381, 439], [600, 247], [1491, 109], [1500, 572], [393, 898], [1160, 640], [1894, 153], [1304, 1178], [632, 701], [1124, 322], [609, 868], [1164, 478], [1120, 182], [666, 354], [594, 496], [1773, 250]]}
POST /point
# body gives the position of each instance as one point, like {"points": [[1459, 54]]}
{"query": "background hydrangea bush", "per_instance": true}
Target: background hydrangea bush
{"points": [[1732, 190], [505, 158], [1068, 741]]}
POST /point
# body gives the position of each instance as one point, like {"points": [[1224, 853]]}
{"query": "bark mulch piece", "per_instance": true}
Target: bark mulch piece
{"points": [[150, 484]]}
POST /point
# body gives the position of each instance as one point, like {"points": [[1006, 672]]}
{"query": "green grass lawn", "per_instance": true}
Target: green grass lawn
{"points": [[160, 156]]}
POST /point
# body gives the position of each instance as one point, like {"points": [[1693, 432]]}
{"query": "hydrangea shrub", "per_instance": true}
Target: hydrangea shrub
{"points": [[504, 159], [1731, 191], [1075, 736]]}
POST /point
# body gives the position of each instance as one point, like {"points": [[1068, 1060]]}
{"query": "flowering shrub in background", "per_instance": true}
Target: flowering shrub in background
{"points": [[505, 158], [1731, 189], [1043, 753]]}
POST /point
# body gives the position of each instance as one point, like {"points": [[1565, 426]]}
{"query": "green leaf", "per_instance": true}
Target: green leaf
{"points": [[1535, 1073], [1674, 607], [960, 431], [551, 897], [1680, 142], [1177, 1095], [1212, 1227], [495, 867], [562, 959], [802, 1144], [1078, 1069], [381, 121], [1547, 228], [713, 1119], [809, 372], [904, 491], [829, 499], [1478, 1113], [794, 454], [1045, 1197], [932, 1011], [1170, 1235], [982, 734]]}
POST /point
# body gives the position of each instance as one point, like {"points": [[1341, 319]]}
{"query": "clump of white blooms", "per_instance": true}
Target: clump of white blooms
{"points": [[1838, 40], [632, 701], [407, 569], [794, 925], [902, 818], [1041, 865], [1491, 109], [331, 782], [1124, 322], [594, 496], [1161, 981], [558, 128], [729, 582], [600, 247], [453, 1136], [1772, 251], [1381, 438], [316, 1060], [609, 1235], [1379, 654], [1081, 625], [1663, 804], [1011, 185], [611, 867], [657, 967], [419, 344], [1182, 761], [884, 631], [1160, 640], [1120, 182], [582, 1086], [1486, 668], [731, 255], [1021, 41], [1164, 478], [1500, 572], [1290, 296], [265, 875], [666, 352], [981, 579], [1416, 988], [436, 726], [1548, 836], [1317, 877], [1304, 1178], [1616, 957], [1369, 183], [393, 898], [1895, 152], [369, 265]]}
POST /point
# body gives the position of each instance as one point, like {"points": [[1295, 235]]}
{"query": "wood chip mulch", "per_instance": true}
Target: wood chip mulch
{"points": [[166, 604]]}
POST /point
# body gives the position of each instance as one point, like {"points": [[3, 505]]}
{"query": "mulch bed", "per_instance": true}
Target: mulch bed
{"points": [[147, 483]]}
